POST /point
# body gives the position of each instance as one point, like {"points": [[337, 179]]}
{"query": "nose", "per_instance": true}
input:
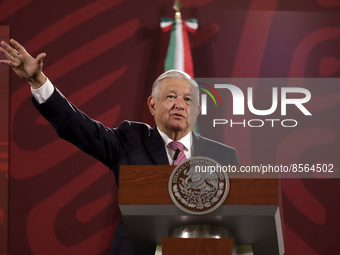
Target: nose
{"points": [[179, 103]]}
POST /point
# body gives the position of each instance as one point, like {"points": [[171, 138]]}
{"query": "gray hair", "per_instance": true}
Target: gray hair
{"points": [[177, 75]]}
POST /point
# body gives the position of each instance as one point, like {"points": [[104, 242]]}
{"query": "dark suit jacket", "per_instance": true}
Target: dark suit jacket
{"points": [[131, 143]]}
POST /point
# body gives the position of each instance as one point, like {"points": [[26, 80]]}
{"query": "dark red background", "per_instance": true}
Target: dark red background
{"points": [[104, 56]]}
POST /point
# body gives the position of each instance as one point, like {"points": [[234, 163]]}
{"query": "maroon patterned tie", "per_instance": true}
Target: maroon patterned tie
{"points": [[178, 146]]}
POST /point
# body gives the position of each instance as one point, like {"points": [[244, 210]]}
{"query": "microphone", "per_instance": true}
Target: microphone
{"points": [[176, 155]]}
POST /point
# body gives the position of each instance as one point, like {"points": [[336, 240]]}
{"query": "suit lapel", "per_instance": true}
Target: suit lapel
{"points": [[155, 147], [197, 145]]}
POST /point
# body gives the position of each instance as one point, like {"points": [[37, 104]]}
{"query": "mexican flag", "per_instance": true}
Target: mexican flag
{"points": [[179, 54]]}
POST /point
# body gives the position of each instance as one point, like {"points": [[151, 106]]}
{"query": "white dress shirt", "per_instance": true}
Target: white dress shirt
{"points": [[186, 141], [44, 92]]}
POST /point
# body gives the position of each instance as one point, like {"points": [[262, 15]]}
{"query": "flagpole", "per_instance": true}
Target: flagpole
{"points": [[177, 7], [179, 53]]}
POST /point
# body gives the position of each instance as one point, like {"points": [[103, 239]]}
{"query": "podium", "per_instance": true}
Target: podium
{"points": [[251, 211]]}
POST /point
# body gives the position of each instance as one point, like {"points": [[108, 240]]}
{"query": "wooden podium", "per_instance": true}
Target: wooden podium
{"points": [[251, 211]]}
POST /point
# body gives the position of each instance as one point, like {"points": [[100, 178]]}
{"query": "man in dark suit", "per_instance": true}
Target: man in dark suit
{"points": [[174, 103]]}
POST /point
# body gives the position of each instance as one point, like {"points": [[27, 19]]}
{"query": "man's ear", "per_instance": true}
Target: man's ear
{"points": [[151, 104], [198, 110], [194, 114]]}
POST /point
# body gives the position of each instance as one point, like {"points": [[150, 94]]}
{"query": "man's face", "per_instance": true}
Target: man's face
{"points": [[172, 108]]}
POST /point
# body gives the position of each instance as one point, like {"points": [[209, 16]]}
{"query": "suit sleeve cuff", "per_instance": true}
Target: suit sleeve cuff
{"points": [[43, 93]]}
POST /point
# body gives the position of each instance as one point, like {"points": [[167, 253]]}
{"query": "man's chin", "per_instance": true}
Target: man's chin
{"points": [[178, 127]]}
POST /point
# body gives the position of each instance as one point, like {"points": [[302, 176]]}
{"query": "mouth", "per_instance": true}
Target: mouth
{"points": [[177, 115]]}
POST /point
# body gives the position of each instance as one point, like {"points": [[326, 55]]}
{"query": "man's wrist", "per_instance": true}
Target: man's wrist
{"points": [[37, 81]]}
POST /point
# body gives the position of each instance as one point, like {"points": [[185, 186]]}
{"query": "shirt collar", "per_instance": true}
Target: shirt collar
{"points": [[186, 140]]}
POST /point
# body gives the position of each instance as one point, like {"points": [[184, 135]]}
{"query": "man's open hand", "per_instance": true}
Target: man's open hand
{"points": [[23, 64]]}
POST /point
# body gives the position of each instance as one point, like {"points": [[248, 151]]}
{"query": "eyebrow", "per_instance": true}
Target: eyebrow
{"points": [[173, 91]]}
